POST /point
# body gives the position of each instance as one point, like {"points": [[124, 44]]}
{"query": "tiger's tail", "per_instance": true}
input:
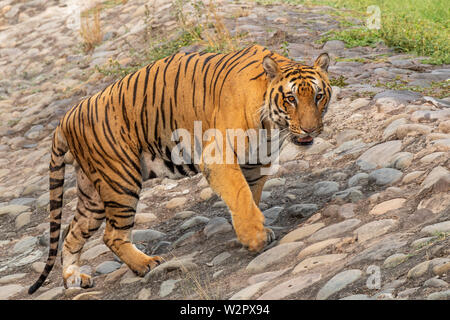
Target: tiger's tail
{"points": [[56, 175]]}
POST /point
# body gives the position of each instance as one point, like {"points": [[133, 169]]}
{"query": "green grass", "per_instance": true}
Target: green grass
{"points": [[439, 89], [355, 37], [154, 53], [338, 82], [416, 26]]}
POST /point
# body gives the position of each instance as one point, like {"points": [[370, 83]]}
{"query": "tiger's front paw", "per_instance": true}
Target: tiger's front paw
{"points": [[259, 240], [146, 263]]}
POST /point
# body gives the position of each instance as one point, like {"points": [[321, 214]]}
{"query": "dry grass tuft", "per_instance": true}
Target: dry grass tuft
{"points": [[205, 25], [90, 30]]}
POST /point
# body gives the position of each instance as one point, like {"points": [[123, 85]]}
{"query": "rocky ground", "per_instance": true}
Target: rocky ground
{"points": [[364, 213]]}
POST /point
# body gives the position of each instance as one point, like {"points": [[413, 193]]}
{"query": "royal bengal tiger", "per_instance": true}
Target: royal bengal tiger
{"points": [[121, 136]]}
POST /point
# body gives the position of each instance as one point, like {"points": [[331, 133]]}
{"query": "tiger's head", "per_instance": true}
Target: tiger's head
{"points": [[297, 97]]}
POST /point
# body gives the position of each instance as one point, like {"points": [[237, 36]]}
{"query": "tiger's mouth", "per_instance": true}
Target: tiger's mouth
{"points": [[302, 141]]}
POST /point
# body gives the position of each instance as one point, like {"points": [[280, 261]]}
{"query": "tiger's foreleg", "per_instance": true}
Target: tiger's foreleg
{"points": [[255, 180], [229, 182], [88, 218]]}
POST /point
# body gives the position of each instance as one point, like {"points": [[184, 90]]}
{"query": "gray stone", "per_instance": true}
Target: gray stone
{"points": [[167, 287], [23, 201], [335, 230], [422, 242], [364, 165], [399, 96], [219, 204], [357, 297], [10, 291], [51, 294], [275, 182], [13, 210], [428, 115], [194, 221], [319, 146], [161, 247], [12, 278], [318, 261], [220, 258], [145, 235], [347, 210], [94, 252], [325, 188], [334, 45], [266, 276], [271, 215], [380, 250], [144, 294], [374, 229], [43, 201], [184, 239], [107, 267], [347, 135], [347, 148], [183, 264], [406, 293], [435, 283], [302, 210], [411, 129], [352, 194], [392, 128], [302, 232], [273, 256], [394, 260], [385, 176], [265, 195], [401, 160], [248, 292], [34, 132], [338, 282], [442, 295], [23, 219], [359, 179], [378, 155], [436, 228], [291, 286], [215, 226], [25, 244], [184, 214], [434, 176]]}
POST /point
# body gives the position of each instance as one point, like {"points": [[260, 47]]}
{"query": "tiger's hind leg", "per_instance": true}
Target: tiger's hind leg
{"points": [[120, 196], [88, 218]]}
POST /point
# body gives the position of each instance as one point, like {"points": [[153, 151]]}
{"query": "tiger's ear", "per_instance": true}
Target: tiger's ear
{"points": [[271, 67], [322, 62]]}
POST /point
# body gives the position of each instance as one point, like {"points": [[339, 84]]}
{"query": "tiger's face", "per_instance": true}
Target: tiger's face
{"points": [[297, 98]]}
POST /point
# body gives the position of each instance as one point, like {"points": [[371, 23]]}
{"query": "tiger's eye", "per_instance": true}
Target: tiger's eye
{"points": [[319, 96], [291, 99]]}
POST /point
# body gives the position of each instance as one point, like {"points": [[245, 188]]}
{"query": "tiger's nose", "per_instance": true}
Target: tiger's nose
{"points": [[309, 130]]}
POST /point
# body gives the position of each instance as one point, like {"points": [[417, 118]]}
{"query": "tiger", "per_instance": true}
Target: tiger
{"points": [[121, 136]]}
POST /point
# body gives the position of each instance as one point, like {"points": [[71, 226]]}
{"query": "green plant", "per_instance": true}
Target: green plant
{"points": [[284, 48], [338, 82]]}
